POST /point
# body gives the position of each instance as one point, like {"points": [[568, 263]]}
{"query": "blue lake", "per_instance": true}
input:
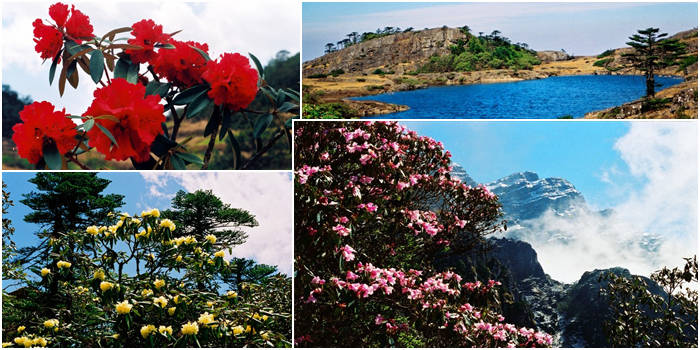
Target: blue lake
{"points": [[543, 98]]}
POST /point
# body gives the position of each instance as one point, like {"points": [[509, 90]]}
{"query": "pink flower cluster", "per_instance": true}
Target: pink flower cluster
{"points": [[306, 171], [423, 221]]}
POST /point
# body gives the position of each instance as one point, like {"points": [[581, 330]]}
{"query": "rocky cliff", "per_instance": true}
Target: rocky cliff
{"points": [[391, 52]]}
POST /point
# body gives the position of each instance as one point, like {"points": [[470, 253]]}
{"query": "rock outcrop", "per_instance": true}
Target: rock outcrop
{"points": [[388, 52], [553, 56]]}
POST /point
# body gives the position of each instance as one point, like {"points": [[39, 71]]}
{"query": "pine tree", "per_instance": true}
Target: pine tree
{"points": [[652, 53]]}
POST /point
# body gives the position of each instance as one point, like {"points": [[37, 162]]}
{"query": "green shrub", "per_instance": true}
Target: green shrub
{"points": [[603, 63], [361, 80], [337, 72], [317, 76], [333, 110], [606, 53]]}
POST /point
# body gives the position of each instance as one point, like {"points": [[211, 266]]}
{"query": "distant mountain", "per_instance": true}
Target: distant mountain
{"points": [[572, 313]]}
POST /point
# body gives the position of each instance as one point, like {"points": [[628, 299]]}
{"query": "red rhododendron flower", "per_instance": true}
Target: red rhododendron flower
{"points": [[146, 34], [78, 26], [234, 83], [139, 120], [48, 39], [41, 124], [59, 13], [183, 66]]}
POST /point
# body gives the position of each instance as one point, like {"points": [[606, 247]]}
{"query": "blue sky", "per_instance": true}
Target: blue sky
{"points": [[269, 243], [261, 27], [579, 28]]}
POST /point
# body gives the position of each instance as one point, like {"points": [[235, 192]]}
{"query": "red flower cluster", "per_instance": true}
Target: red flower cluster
{"points": [[183, 66], [146, 34], [41, 124], [139, 120], [233, 82], [49, 39]]}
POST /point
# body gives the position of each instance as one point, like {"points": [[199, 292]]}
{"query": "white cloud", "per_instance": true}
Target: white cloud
{"points": [[663, 157], [261, 27], [267, 195]]}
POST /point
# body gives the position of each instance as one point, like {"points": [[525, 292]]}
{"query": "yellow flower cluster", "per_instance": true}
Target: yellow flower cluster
{"points": [[99, 275], [238, 330], [231, 294], [52, 323], [179, 258], [190, 328], [219, 254], [152, 212], [146, 293], [165, 330], [171, 311], [27, 343], [81, 290], [61, 264], [211, 238], [258, 317], [206, 319], [93, 230], [159, 283], [105, 286], [20, 329], [144, 233], [168, 223], [124, 307], [265, 335], [147, 330], [135, 221], [160, 301], [45, 271], [185, 239]]}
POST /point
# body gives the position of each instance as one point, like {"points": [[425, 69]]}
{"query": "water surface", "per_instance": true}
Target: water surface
{"points": [[543, 98]]}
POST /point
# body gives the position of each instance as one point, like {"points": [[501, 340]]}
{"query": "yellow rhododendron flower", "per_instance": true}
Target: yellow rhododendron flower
{"points": [[249, 329], [176, 299], [231, 294], [165, 330], [211, 238], [102, 229], [61, 264], [219, 254], [136, 221], [120, 223], [99, 275], [146, 293], [20, 329], [159, 284], [237, 330], [190, 328], [105, 286], [190, 239], [45, 271], [93, 230], [22, 341], [147, 330], [171, 311], [40, 341], [51, 323], [210, 262], [6, 344], [111, 229], [256, 316], [140, 234], [160, 301], [179, 258], [206, 319], [151, 256], [124, 307], [152, 212], [168, 223], [265, 335], [265, 317], [210, 303]]}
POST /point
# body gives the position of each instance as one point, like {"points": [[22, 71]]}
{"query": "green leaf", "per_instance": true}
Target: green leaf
{"points": [[177, 162], [201, 53], [261, 71], [108, 117], [190, 94], [53, 159], [235, 147], [97, 65], [287, 106], [288, 123], [211, 125], [88, 124], [199, 105], [109, 134], [226, 122], [191, 158], [132, 75], [261, 124], [54, 64], [122, 68], [157, 88], [164, 46], [292, 94]]}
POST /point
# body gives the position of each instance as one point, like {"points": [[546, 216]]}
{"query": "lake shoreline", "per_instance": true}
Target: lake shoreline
{"points": [[342, 88]]}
